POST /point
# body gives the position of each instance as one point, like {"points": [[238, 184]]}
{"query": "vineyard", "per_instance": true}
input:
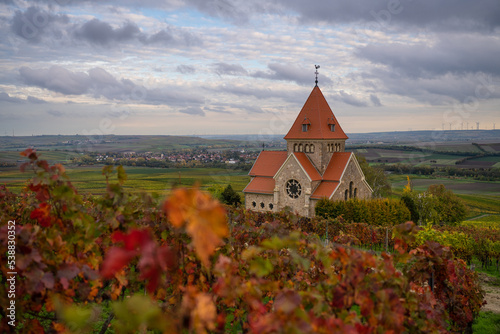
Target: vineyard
{"points": [[129, 262]]}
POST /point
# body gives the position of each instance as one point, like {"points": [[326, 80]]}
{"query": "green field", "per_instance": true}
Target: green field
{"points": [[89, 180], [112, 143], [480, 196], [50, 156]]}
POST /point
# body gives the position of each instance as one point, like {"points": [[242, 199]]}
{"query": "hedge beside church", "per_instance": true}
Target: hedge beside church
{"points": [[381, 212]]}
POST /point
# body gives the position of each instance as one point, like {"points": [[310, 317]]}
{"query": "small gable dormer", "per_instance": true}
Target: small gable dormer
{"points": [[306, 124], [331, 124]]}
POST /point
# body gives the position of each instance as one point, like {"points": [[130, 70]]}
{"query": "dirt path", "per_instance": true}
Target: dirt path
{"points": [[492, 293], [481, 216]]}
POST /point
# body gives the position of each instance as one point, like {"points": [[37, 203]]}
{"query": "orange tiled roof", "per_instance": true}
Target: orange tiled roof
{"points": [[268, 163], [325, 189], [319, 117], [336, 166], [260, 185], [308, 166]]}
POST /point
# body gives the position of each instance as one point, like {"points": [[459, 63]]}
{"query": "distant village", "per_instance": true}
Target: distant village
{"points": [[239, 158]]}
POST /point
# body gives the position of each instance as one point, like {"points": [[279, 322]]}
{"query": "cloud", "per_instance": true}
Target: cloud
{"points": [[172, 36], [185, 69], [259, 93], [54, 112], [375, 100], [34, 22], [452, 53], [287, 72], [35, 100], [238, 12], [102, 33], [229, 69], [57, 79], [193, 111], [349, 99], [218, 108], [378, 14], [7, 98], [97, 82], [439, 89], [30, 99], [443, 14], [252, 109]]}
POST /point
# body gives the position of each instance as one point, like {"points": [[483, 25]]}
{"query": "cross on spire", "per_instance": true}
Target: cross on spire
{"points": [[316, 66]]}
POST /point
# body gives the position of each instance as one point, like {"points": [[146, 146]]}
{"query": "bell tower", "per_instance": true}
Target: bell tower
{"points": [[316, 131]]}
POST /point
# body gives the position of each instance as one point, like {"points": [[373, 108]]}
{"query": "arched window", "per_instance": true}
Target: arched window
{"points": [[295, 147], [271, 206], [301, 148], [355, 192], [311, 148], [254, 204], [350, 189], [262, 205], [307, 148], [346, 194]]}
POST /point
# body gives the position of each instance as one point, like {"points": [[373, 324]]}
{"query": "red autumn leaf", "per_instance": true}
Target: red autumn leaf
{"points": [[115, 260], [43, 164], [155, 260], [132, 240], [30, 153], [42, 215]]}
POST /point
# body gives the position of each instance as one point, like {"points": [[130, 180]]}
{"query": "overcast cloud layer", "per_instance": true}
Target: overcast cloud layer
{"points": [[235, 66]]}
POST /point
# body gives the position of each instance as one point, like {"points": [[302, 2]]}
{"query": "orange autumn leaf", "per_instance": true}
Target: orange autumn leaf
{"points": [[204, 313], [203, 217]]}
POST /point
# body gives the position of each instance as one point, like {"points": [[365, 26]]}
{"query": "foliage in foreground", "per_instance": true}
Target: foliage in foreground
{"points": [[204, 274]]}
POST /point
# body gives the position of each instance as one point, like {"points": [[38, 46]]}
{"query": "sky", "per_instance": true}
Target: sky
{"points": [[211, 67]]}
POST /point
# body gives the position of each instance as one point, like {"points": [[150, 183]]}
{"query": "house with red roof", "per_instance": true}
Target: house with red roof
{"points": [[314, 166]]}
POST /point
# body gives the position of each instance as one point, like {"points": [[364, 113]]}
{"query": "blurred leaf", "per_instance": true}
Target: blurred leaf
{"points": [[204, 217], [261, 267]]}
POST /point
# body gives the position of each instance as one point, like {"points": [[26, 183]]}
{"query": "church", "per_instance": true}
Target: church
{"points": [[314, 166]]}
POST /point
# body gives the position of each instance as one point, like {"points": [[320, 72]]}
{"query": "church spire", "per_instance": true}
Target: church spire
{"points": [[316, 120]]}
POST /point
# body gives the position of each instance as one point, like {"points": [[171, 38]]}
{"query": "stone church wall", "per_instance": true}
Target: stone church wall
{"points": [[354, 175], [292, 170], [258, 199]]}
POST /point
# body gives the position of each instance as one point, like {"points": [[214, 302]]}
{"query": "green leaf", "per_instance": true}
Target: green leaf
{"points": [[78, 319], [261, 267], [274, 243], [136, 311]]}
